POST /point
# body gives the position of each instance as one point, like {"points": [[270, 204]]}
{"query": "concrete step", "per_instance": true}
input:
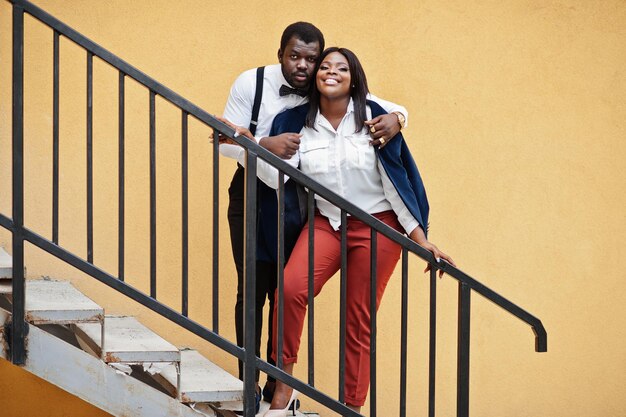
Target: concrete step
{"points": [[58, 302], [232, 409], [6, 265], [6, 287], [201, 380], [127, 341], [90, 379]]}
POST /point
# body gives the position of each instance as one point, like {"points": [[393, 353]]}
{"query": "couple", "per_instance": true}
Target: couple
{"points": [[329, 139]]}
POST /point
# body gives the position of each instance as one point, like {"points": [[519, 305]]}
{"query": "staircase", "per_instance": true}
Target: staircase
{"points": [[118, 364], [113, 362]]}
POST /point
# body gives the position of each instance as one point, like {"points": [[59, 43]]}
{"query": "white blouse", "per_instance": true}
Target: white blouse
{"points": [[344, 162]]}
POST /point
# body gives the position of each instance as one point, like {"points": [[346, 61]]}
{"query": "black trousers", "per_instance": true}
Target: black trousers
{"points": [[265, 273]]}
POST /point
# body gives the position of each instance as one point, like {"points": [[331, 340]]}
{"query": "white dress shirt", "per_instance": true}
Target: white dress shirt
{"points": [[241, 99], [345, 162]]}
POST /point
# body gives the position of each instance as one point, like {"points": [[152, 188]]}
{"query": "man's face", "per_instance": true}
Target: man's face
{"points": [[298, 61]]}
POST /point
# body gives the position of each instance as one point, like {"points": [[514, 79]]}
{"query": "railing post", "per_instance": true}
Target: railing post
{"points": [[121, 173], [18, 326], [55, 138], [343, 291], [462, 396], [280, 302], [216, 233], [185, 212], [311, 286], [249, 273], [373, 305], [403, 330], [153, 198], [432, 342], [89, 157]]}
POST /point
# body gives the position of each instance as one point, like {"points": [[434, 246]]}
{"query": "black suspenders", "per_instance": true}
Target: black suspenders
{"points": [[258, 95]]}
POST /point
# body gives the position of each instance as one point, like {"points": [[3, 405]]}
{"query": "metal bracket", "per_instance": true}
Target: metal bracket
{"points": [[8, 332]]}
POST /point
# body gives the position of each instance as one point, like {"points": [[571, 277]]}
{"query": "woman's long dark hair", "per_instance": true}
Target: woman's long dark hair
{"points": [[358, 88]]}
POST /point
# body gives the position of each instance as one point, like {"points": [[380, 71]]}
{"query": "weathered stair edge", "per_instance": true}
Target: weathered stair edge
{"points": [[118, 394], [6, 264]]}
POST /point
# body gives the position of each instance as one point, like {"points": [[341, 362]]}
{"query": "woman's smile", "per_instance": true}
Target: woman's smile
{"points": [[333, 76]]}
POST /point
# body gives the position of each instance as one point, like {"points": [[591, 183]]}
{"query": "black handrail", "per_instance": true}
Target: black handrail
{"points": [[403, 240], [254, 151]]}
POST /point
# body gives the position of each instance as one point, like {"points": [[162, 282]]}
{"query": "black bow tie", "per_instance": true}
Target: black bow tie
{"points": [[285, 90]]}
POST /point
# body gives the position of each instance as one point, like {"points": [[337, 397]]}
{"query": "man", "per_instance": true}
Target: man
{"points": [[284, 87]]}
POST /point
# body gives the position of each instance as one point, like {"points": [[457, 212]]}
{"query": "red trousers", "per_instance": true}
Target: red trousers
{"points": [[327, 262]]}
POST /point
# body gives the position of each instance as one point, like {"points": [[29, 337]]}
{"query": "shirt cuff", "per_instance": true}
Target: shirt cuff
{"points": [[231, 151]]}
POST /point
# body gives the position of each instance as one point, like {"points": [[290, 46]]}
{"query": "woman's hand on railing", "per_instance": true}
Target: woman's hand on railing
{"points": [[420, 238]]}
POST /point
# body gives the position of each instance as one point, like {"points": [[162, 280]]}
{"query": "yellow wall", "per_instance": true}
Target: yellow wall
{"points": [[33, 396], [517, 113]]}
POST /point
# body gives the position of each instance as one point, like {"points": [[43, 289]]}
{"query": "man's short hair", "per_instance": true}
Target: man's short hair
{"points": [[304, 31]]}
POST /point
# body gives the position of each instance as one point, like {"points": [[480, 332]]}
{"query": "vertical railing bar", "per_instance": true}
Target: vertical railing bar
{"points": [[403, 330], [185, 213], [281, 262], [342, 309], [432, 341], [120, 180], [18, 325], [153, 248], [216, 235], [373, 297], [89, 157], [463, 350], [250, 241], [55, 139], [311, 286]]}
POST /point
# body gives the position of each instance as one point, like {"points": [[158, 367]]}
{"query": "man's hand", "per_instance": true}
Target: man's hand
{"points": [[284, 145], [383, 128], [239, 131]]}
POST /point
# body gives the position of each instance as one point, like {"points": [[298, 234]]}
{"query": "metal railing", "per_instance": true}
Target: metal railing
{"points": [[21, 234]]}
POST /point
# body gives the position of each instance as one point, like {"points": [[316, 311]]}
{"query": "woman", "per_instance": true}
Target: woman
{"points": [[335, 151]]}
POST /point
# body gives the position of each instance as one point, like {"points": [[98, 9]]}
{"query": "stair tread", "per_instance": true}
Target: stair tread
{"points": [[238, 405], [50, 301], [6, 287], [203, 381], [6, 265], [129, 341]]}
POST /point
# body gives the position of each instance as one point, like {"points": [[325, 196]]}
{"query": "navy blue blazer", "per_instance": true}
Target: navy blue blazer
{"points": [[395, 158]]}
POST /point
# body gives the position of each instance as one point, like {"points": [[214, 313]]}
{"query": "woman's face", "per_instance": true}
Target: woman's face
{"points": [[333, 77]]}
